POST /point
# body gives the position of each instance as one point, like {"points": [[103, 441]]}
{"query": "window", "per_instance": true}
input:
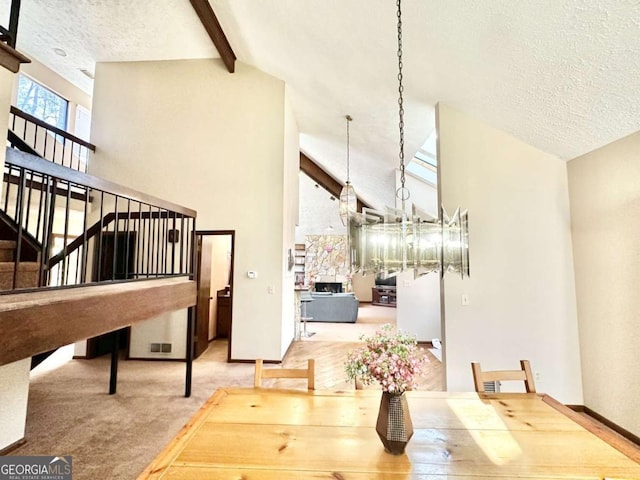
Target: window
{"points": [[42, 103], [423, 171], [424, 164]]}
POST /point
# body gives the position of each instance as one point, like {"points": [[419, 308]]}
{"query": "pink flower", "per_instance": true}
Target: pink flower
{"points": [[392, 359]]}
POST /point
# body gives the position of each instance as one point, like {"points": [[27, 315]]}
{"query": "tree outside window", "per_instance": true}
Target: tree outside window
{"points": [[42, 103]]}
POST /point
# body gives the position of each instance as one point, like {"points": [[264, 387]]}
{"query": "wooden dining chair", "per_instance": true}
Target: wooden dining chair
{"points": [[479, 376], [308, 373]]}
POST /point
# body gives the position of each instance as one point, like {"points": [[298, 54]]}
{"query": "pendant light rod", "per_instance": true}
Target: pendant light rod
{"points": [[402, 193]]}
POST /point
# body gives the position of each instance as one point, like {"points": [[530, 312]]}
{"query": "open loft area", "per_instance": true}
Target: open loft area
{"points": [[489, 152]]}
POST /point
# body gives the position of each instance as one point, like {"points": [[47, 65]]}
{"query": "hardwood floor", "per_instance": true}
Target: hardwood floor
{"points": [[330, 358], [331, 343]]}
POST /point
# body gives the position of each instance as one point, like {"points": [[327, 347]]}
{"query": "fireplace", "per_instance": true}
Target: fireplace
{"points": [[335, 287]]}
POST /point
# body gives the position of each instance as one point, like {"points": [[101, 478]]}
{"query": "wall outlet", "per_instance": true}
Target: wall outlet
{"points": [[538, 376], [465, 299], [271, 290]]}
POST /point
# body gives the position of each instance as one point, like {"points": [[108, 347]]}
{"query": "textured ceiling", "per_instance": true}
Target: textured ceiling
{"points": [[561, 75], [91, 31]]}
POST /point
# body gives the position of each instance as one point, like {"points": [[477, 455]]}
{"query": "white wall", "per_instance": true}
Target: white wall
{"points": [[289, 221], [605, 207], [14, 377], [170, 327], [418, 299], [521, 290], [14, 393], [191, 133], [418, 305]]}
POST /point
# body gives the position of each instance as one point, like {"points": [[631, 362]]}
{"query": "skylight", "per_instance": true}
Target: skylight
{"points": [[420, 170], [424, 164]]}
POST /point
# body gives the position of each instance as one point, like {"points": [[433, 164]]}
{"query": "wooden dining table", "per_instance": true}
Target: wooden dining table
{"points": [[261, 433]]}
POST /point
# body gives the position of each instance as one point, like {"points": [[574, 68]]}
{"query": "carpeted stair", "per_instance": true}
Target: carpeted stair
{"points": [[28, 272]]}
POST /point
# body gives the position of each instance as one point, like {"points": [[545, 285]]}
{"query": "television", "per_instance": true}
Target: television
{"points": [[386, 282]]}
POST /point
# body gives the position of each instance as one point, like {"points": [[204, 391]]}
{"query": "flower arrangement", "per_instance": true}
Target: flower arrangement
{"points": [[391, 358]]}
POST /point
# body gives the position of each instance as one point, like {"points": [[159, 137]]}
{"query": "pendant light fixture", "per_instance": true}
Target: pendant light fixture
{"points": [[389, 242], [348, 199]]}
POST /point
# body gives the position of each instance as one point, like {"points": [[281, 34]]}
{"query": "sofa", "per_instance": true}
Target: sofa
{"points": [[332, 307]]}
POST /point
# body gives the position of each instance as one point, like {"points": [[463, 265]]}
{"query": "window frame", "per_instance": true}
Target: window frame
{"points": [[66, 101]]}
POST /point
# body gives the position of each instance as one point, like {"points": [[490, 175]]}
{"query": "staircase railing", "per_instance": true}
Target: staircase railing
{"points": [[133, 235], [9, 35], [32, 135]]}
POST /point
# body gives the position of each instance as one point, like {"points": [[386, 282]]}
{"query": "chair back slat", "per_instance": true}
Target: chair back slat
{"points": [[524, 374], [308, 373]]}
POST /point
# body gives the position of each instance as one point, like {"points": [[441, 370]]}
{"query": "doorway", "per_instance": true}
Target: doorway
{"points": [[214, 308], [113, 260]]}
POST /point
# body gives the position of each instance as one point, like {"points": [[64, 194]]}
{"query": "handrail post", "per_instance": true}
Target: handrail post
{"points": [[115, 352], [19, 213], [114, 263], [190, 352], [13, 23], [48, 240]]}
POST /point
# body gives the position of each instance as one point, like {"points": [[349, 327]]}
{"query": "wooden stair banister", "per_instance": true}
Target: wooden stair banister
{"points": [[51, 179], [20, 144], [38, 164], [58, 131], [94, 230], [32, 135], [30, 322], [91, 232]]}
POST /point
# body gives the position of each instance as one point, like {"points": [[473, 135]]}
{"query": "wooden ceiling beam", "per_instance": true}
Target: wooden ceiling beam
{"points": [[213, 28], [322, 178]]}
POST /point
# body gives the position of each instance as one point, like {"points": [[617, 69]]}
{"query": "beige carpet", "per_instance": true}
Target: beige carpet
{"points": [[117, 436]]}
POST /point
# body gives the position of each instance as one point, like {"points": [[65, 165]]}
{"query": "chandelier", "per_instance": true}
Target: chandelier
{"points": [[391, 241], [348, 199]]}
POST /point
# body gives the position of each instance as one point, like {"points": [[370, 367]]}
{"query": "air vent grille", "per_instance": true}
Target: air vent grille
{"points": [[492, 387], [160, 347]]}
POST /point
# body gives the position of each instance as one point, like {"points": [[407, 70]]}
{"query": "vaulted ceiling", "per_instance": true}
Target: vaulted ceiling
{"points": [[561, 75]]}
